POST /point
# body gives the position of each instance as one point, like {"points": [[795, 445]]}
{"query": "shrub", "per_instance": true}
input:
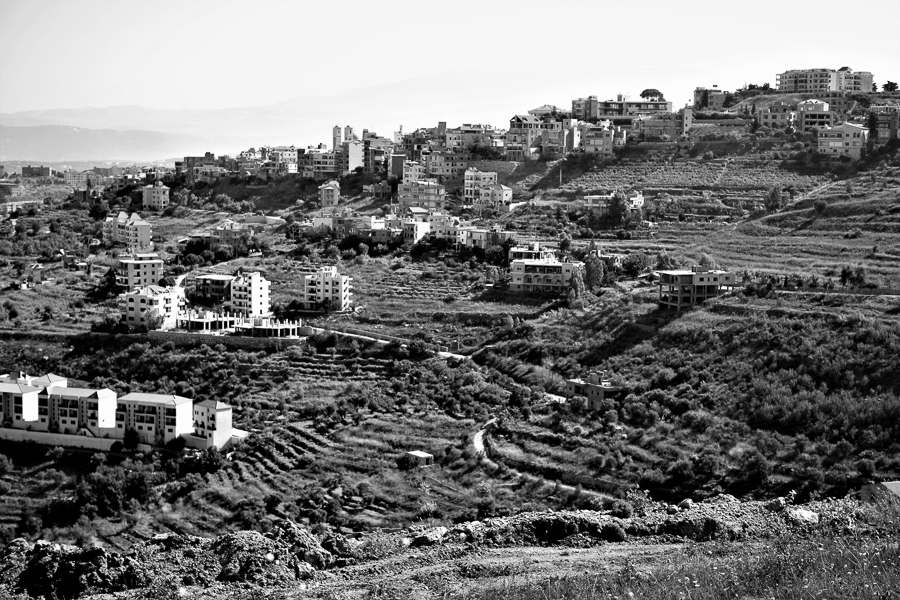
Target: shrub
{"points": [[613, 532]]}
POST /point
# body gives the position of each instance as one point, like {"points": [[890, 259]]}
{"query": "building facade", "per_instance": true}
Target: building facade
{"points": [[542, 276], [813, 81], [153, 306], [250, 295], [326, 288], [139, 271], [156, 196], [680, 289], [846, 139]]}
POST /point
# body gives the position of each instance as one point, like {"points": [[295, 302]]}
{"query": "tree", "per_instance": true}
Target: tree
{"points": [[773, 199], [890, 86], [576, 289], [664, 261], [565, 242], [872, 124], [594, 270], [634, 264], [131, 439], [653, 94]]}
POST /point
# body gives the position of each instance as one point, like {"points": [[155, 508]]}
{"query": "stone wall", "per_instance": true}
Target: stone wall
{"points": [[181, 338]]}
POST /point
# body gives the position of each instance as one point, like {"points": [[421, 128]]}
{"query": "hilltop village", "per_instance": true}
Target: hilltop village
{"points": [[623, 307]]}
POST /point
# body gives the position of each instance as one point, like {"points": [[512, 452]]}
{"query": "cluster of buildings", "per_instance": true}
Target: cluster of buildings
{"points": [[816, 81], [47, 410]]}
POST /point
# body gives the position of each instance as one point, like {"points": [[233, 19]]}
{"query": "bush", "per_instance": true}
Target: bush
{"points": [[622, 509], [613, 532]]}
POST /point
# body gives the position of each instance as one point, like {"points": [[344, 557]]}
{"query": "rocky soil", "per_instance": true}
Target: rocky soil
{"points": [[421, 562]]}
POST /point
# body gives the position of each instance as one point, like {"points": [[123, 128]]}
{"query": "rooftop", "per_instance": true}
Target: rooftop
{"points": [[166, 399]]}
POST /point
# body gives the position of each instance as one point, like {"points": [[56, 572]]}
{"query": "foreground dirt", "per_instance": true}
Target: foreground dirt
{"points": [[418, 563]]}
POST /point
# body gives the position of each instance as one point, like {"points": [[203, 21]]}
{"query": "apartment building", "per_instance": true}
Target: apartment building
{"points": [[80, 180], [602, 139], [591, 108], [153, 306], [250, 295], [485, 238], [330, 194], [426, 194], [414, 171], [139, 270], [779, 115], [317, 162], [446, 164], [667, 124], [473, 181], [814, 114], [888, 124], [35, 171], [131, 230], [542, 275], [414, 231], [230, 232], [813, 81], [157, 418], [846, 139], [522, 136], [596, 387], [215, 287], [349, 156], [709, 98], [46, 410], [326, 288], [156, 196], [680, 289]]}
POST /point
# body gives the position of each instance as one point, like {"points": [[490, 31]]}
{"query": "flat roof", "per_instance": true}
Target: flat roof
{"points": [[420, 454], [216, 276], [169, 399]]}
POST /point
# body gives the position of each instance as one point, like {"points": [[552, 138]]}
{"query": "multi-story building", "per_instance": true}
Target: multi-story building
{"points": [[330, 194], [80, 180], [531, 252], [230, 232], [326, 288], [414, 171], [414, 231], [79, 411], [424, 194], [667, 124], [496, 196], [846, 139], [212, 424], [596, 387], [602, 139], [19, 403], [473, 181], [250, 295], [592, 109], [156, 196], [779, 115], [153, 307], [215, 287], [813, 114], [813, 81], [446, 164], [522, 136], [542, 276], [157, 418], [350, 155], [682, 289], [887, 126], [34, 171], [709, 98], [133, 231], [139, 270]]}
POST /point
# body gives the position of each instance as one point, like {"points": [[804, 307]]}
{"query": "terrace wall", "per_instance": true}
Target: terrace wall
{"points": [[181, 338], [62, 439]]}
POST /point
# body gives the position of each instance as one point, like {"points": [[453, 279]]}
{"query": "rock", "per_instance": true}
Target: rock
{"points": [[775, 505], [248, 556], [338, 545], [301, 542], [672, 509], [13, 559], [803, 517], [429, 537], [686, 504]]}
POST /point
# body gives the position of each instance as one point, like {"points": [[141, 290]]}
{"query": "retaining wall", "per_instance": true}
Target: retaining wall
{"points": [[181, 338], [62, 439]]}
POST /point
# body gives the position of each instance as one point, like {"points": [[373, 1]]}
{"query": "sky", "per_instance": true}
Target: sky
{"points": [[205, 54]]}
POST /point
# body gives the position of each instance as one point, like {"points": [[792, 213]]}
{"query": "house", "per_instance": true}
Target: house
{"points": [[602, 139], [156, 196], [327, 289], [250, 295], [139, 270], [813, 114], [779, 115], [813, 81], [485, 238], [596, 387], [887, 124], [591, 108], [682, 289], [522, 136], [542, 275], [414, 231], [473, 181], [846, 139], [417, 458], [709, 98], [496, 196], [330, 194], [230, 232], [427, 194], [153, 306]]}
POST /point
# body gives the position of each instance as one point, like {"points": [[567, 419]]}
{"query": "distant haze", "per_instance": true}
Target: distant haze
{"points": [[226, 75]]}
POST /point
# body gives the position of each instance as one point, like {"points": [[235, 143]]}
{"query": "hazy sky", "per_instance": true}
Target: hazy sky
{"points": [[225, 53]]}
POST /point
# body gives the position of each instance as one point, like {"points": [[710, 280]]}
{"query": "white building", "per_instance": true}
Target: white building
{"points": [[250, 295], [139, 271], [846, 139], [330, 194], [542, 276], [157, 418], [473, 181], [131, 230], [143, 307], [156, 196], [413, 171], [326, 288]]}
